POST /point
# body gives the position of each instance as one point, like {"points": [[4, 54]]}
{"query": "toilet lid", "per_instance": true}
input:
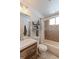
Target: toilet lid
{"points": [[42, 47]]}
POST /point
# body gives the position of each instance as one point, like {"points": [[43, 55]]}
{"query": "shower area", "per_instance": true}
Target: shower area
{"points": [[52, 35]]}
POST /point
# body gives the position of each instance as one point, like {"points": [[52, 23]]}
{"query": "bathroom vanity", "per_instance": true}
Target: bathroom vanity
{"points": [[28, 49]]}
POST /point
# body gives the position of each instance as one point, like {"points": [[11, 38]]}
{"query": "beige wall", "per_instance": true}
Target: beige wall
{"points": [[51, 32], [21, 26]]}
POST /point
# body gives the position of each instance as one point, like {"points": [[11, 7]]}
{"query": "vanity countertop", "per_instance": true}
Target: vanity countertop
{"points": [[26, 43]]}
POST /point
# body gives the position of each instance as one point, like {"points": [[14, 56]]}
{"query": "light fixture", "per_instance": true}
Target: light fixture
{"points": [[24, 10]]}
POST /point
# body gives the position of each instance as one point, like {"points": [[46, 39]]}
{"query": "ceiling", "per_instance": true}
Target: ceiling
{"points": [[43, 7]]}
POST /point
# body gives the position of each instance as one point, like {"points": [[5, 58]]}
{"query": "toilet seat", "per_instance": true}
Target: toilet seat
{"points": [[42, 48]]}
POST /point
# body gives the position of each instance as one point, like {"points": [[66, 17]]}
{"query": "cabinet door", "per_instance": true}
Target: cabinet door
{"points": [[32, 52], [29, 53], [34, 56]]}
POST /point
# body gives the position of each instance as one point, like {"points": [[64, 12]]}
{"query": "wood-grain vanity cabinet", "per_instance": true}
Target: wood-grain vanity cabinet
{"points": [[29, 52]]}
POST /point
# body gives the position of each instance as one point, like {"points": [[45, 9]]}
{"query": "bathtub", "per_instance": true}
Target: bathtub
{"points": [[52, 46]]}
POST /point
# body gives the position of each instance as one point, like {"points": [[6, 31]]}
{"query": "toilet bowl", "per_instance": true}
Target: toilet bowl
{"points": [[42, 48]]}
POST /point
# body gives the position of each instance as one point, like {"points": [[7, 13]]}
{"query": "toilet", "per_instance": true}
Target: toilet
{"points": [[42, 48]]}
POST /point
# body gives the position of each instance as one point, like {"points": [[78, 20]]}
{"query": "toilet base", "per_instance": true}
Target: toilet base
{"points": [[42, 49]]}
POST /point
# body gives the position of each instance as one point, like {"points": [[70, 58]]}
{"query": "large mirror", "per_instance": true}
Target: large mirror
{"points": [[24, 25]]}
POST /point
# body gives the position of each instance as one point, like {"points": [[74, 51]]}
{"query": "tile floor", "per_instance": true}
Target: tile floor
{"points": [[47, 55]]}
